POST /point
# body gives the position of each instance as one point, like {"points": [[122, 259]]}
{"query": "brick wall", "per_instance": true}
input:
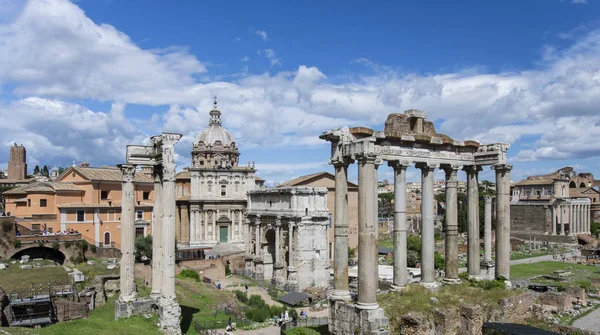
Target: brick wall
{"points": [[530, 218]]}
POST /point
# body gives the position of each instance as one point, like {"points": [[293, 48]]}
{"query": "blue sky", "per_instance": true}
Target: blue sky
{"points": [[80, 80]]}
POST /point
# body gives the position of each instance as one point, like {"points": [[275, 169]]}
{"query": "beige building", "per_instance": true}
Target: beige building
{"points": [[327, 180], [84, 199]]}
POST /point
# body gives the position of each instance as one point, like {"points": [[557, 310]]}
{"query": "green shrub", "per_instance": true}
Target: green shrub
{"points": [[412, 258], [439, 261], [17, 244], [55, 245], [413, 243], [143, 247], [187, 273], [93, 248], [68, 244], [227, 270], [258, 314], [257, 301], [241, 296], [76, 259]]}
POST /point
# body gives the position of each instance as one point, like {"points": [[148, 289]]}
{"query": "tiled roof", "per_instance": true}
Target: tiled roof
{"points": [[302, 179], [114, 204], [106, 174], [535, 182], [185, 174], [44, 186]]}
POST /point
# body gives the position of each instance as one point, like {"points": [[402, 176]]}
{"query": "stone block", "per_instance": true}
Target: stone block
{"points": [[561, 301], [595, 282], [471, 319], [416, 324], [516, 308], [446, 322], [578, 295], [169, 314]]}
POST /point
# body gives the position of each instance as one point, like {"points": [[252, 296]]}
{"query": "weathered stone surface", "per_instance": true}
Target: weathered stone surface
{"points": [[595, 282], [3, 304], [99, 284], [578, 294], [125, 309], [416, 324], [561, 301], [447, 322], [471, 319], [170, 312], [66, 310], [516, 308]]}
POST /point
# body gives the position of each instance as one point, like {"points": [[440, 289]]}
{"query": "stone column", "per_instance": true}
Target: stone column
{"points": [[257, 237], [277, 251], [205, 225], [185, 225], [127, 285], [240, 226], [340, 229], [451, 217], [278, 272], [427, 225], [292, 278], [473, 258], [214, 225], [562, 219], [170, 310], [488, 264], [157, 224], [587, 218], [553, 212], [503, 220], [367, 232], [400, 248]]}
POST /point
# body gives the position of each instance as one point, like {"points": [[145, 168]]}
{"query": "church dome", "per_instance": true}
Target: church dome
{"points": [[215, 131]]}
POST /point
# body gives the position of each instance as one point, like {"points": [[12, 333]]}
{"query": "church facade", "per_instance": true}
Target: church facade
{"points": [[212, 192]]}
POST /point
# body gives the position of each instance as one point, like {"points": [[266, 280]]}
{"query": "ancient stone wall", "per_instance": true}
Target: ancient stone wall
{"points": [[529, 219], [66, 310]]}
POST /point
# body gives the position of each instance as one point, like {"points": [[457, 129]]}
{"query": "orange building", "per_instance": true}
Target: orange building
{"points": [[83, 199]]}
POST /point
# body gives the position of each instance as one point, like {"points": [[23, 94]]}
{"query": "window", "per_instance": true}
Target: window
{"points": [[139, 215], [28, 202], [43, 202], [103, 195], [146, 196], [35, 226], [80, 216], [139, 232], [223, 190]]}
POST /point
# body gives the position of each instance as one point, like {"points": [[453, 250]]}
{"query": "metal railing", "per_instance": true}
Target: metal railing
{"points": [[220, 324], [304, 322]]}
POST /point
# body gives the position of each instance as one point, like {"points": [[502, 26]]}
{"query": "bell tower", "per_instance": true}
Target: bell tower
{"points": [[17, 165]]}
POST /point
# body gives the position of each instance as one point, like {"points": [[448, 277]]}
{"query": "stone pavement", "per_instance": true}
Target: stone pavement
{"points": [[589, 322], [529, 260], [271, 330]]}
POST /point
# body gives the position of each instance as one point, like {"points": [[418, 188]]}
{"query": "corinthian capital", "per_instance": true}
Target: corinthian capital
{"points": [[427, 166], [368, 158], [399, 165], [170, 138], [128, 171], [472, 169], [502, 167], [340, 161]]}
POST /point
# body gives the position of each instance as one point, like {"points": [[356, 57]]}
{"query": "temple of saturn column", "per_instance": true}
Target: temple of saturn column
{"points": [[161, 156], [408, 139]]}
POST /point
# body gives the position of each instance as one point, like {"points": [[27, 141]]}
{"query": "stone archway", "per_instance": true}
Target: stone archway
{"points": [[269, 253], [41, 252]]}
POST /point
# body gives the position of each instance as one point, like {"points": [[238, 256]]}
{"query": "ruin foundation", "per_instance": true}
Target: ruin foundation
{"points": [[347, 318]]}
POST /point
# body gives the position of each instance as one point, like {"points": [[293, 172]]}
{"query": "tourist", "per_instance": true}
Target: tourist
{"points": [[275, 319], [246, 287], [286, 316]]}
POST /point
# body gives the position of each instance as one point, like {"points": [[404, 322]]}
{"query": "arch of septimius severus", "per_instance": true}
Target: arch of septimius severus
{"points": [[410, 140]]}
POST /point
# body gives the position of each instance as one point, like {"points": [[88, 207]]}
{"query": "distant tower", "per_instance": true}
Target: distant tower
{"points": [[17, 165]]}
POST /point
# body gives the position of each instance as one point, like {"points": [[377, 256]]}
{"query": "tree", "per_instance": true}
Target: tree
{"points": [[61, 170], [36, 169], [45, 171], [143, 247], [412, 258]]}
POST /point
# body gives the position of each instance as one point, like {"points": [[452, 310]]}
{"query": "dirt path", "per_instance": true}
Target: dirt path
{"points": [[235, 283], [589, 322]]}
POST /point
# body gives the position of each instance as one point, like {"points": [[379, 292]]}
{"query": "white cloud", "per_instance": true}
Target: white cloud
{"points": [[262, 34], [245, 58], [51, 52], [580, 2]]}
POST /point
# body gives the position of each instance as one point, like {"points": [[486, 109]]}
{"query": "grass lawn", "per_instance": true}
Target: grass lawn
{"points": [[582, 274], [320, 330], [20, 280], [521, 255]]}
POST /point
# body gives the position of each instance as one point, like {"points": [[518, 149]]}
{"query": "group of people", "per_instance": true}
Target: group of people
{"points": [[285, 317]]}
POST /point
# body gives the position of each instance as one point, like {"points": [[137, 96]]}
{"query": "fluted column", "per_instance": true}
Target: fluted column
{"points": [[451, 217], [205, 225], [257, 237], [340, 229], [400, 248], [587, 218], [127, 287], [367, 232], [157, 231], [240, 226], [427, 225], [503, 220], [184, 237], [277, 251], [473, 253], [214, 225], [290, 245]]}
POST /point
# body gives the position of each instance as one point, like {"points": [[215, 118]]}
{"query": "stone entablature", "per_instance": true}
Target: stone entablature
{"points": [[289, 240]]}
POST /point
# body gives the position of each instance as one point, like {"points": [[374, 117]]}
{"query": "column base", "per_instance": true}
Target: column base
{"points": [[475, 277], [367, 305], [431, 285], [125, 309], [348, 318], [488, 270], [155, 295], [451, 281], [340, 295], [169, 314], [396, 288]]}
